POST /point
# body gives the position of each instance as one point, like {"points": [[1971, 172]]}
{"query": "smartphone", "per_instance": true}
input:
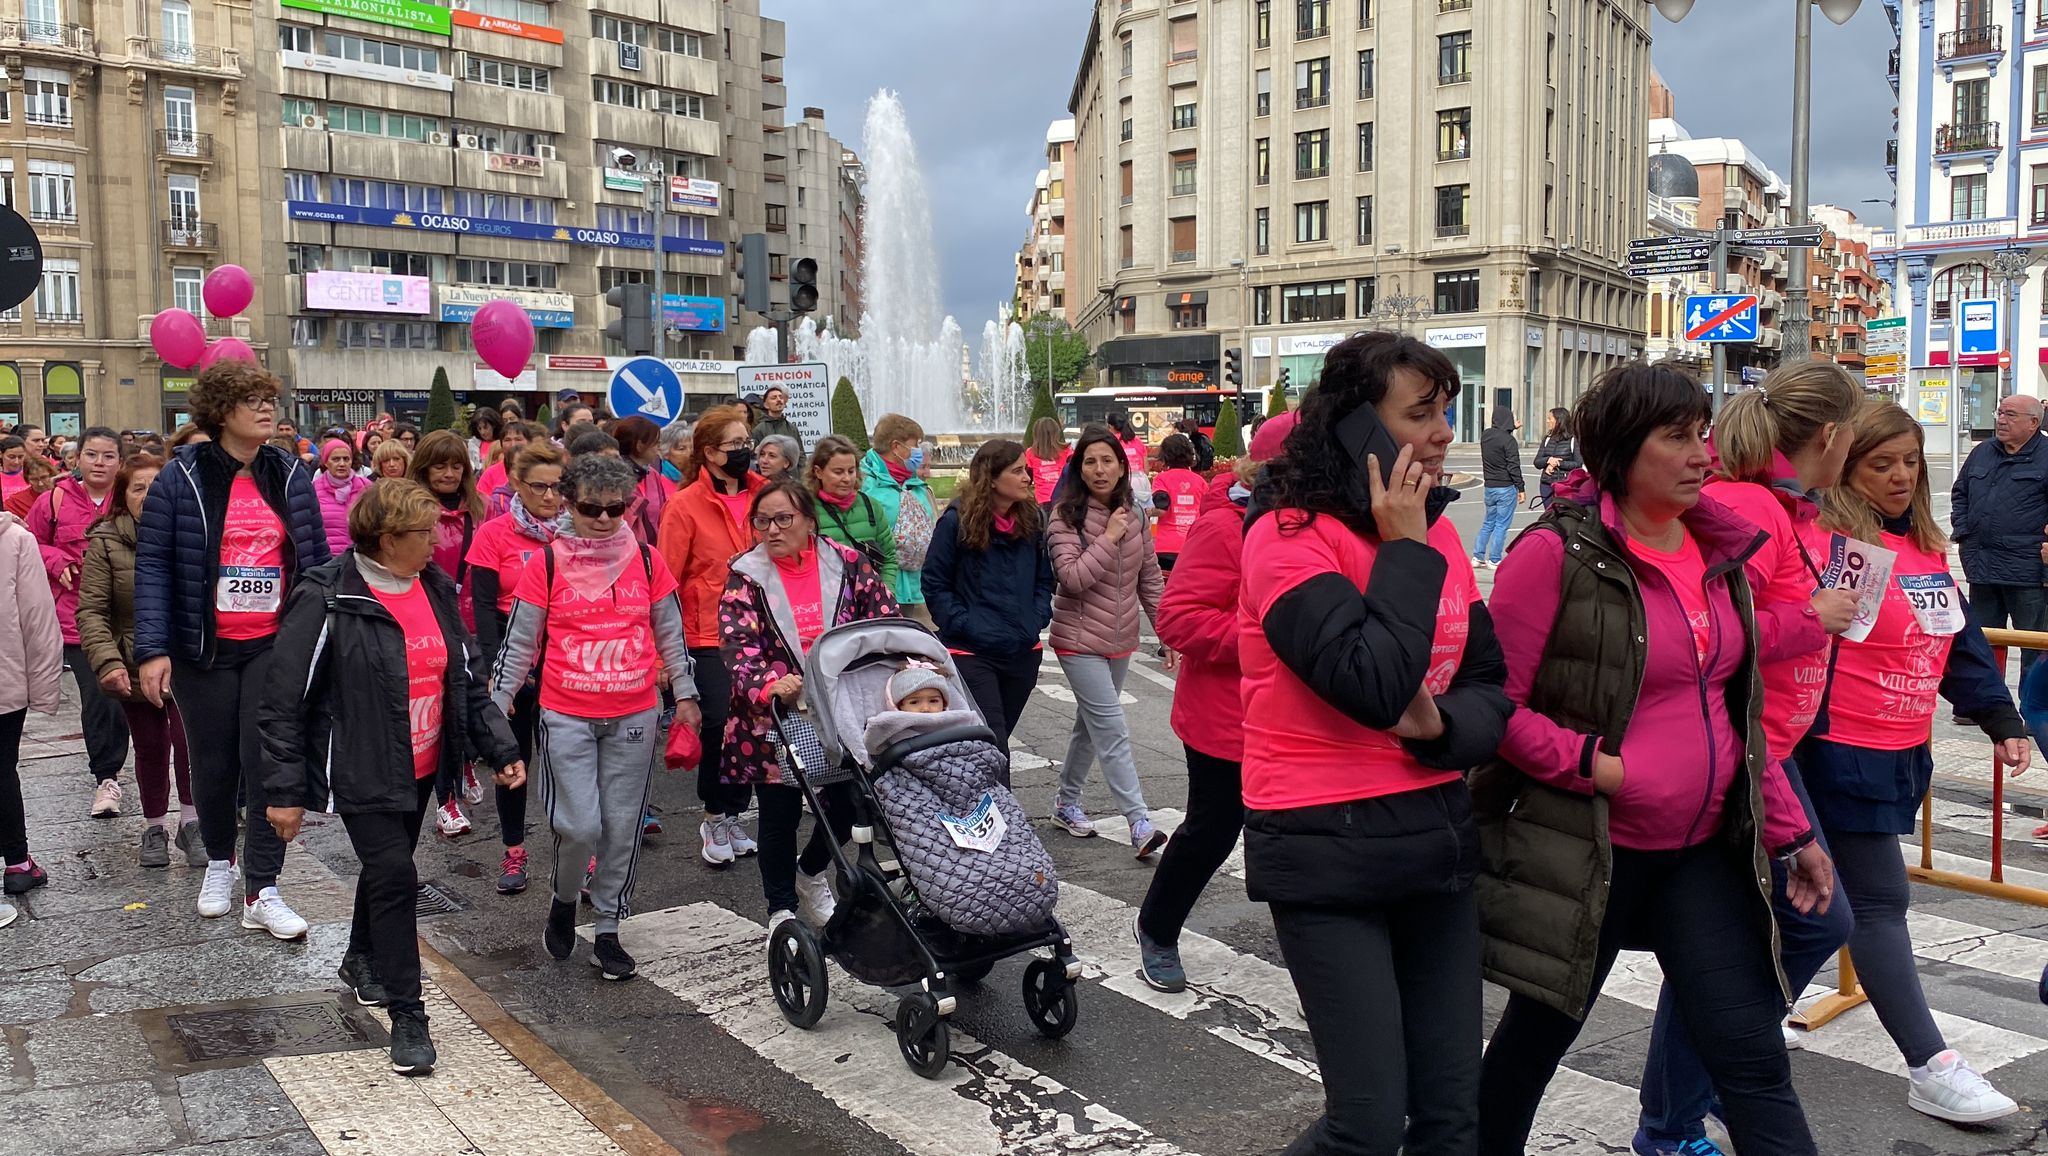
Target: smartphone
{"points": [[1360, 433]]}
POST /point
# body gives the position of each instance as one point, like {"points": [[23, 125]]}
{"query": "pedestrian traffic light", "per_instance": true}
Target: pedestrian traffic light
{"points": [[1282, 382], [1233, 368], [754, 272], [633, 328], [803, 285]]}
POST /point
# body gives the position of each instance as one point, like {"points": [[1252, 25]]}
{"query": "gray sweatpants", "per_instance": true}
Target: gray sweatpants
{"points": [[595, 776], [1100, 731]]}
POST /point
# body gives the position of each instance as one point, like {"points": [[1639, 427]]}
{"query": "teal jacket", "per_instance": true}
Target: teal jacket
{"points": [[865, 523], [876, 482]]}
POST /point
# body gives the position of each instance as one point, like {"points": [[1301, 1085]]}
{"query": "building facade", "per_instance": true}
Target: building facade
{"points": [[1041, 262], [1280, 173], [827, 212], [129, 139]]}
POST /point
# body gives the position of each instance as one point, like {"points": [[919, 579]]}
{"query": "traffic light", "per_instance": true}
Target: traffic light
{"points": [[1233, 368], [1282, 383], [634, 326], [803, 285], [754, 272]]}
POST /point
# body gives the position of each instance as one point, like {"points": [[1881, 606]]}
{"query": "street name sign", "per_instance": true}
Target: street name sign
{"points": [[1781, 236], [1721, 317]]}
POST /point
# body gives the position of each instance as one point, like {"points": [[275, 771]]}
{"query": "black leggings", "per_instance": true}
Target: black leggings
{"points": [[219, 705], [1198, 848], [714, 698], [782, 809], [1705, 919], [13, 814], [385, 924], [512, 800], [1001, 686], [100, 717]]}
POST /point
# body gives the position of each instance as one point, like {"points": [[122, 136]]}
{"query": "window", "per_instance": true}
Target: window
{"points": [[302, 187], [371, 194], [295, 37], [52, 192], [1126, 253], [1454, 58], [1262, 24], [1364, 73], [1312, 82], [1966, 197], [687, 104], [679, 42], [1184, 106], [1124, 111], [1125, 172], [58, 297], [1453, 209], [1972, 103], [297, 110], [1312, 154], [1453, 134], [2039, 179], [1181, 38], [603, 27], [1264, 94], [1262, 231], [306, 332], [7, 182], [1181, 232], [46, 92], [1311, 222], [1262, 160], [505, 74], [45, 20], [1365, 13], [1365, 220], [493, 139], [345, 46], [1190, 316], [1262, 305], [1311, 19], [177, 28], [376, 122], [511, 274], [524, 11], [616, 92], [2040, 96], [504, 207], [1313, 301], [182, 194], [1365, 147], [1124, 48], [397, 261], [1183, 174], [181, 122], [1458, 292], [1368, 289], [185, 293], [355, 334]]}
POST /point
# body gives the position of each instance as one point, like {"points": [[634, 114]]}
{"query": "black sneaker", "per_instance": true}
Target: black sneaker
{"points": [[412, 1050], [560, 937], [611, 959], [360, 977]]}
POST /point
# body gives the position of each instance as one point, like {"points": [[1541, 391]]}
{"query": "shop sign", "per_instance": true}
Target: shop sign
{"points": [[625, 180], [1462, 337], [1187, 378], [629, 56], [693, 194], [515, 164], [1309, 344], [504, 27], [407, 14], [459, 304], [367, 293], [363, 70], [177, 384], [482, 376], [578, 364], [339, 396], [489, 227], [693, 314]]}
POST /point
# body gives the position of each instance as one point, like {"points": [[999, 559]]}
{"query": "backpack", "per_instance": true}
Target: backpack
{"points": [[914, 525], [871, 550]]}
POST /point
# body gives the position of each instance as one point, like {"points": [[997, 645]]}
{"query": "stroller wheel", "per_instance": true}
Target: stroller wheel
{"points": [[1049, 998], [796, 971], [922, 1036], [973, 973]]}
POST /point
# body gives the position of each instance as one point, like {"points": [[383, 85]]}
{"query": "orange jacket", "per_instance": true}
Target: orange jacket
{"points": [[699, 539]]}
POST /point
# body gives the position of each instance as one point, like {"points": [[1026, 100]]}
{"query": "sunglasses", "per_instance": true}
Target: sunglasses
{"points": [[593, 510]]}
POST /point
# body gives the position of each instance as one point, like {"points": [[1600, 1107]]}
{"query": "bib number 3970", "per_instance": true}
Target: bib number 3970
{"points": [[1935, 602], [249, 589]]}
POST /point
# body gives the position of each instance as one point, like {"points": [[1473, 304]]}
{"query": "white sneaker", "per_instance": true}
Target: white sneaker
{"points": [[779, 918], [717, 851], [217, 890], [736, 837], [271, 913], [1794, 1038], [472, 787], [1948, 1088], [814, 901], [450, 819], [106, 799], [7, 914]]}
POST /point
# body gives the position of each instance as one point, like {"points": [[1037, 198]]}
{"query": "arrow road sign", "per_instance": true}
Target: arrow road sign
{"points": [[647, 387], [1782, 237], [1721, 317]]}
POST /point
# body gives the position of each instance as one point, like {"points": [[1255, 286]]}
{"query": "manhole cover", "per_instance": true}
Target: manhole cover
{"points": [[433, 899], [256, 1033]]}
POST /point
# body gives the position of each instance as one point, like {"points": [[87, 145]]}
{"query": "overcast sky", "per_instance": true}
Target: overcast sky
{"points": [[980, 81]]}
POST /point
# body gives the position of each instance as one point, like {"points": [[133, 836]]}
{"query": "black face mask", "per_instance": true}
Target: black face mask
{"points": [[738, 462]]}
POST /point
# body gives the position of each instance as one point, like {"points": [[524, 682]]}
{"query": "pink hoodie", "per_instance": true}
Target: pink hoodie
{"points": [[31, 644], [62, 534], [1681, 749]]}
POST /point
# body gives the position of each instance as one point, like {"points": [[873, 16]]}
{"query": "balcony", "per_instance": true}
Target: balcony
{"points": [[1981, 44], [1965, 139], [184, 145], [1462, 151], [40, 34], [1458, 230], [1183, 256], [1306, 99], [1311, 172], [202, 236], [1311, 31], [50, 222], [1892, 71], [1891, 157], [179, 53], [1453, 5], [1443, 78]]}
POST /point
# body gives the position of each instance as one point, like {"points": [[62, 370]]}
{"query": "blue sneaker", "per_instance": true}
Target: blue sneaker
{"points": [[1644, 1146], [1158, 964]]}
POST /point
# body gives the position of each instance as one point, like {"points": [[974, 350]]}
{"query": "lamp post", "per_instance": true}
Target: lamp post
{"points": [[1838, 12], [1400, 308], [2009, 268], [658, 202]]}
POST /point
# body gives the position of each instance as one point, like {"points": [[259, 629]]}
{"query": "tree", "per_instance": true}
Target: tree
{"points": [[543, 417], [1046, 334], [847, 420], [1041, 406], [1228, 439], [440, 403], [1276, 401]]}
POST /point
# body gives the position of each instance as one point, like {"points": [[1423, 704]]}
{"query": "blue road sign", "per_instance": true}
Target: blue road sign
{"points": [[647, 387], [1721, 317]]}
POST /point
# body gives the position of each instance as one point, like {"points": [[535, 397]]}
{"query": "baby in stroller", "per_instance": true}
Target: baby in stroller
{"points": [[977, 863]]}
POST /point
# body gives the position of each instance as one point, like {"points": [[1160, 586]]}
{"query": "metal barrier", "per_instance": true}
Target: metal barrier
{"points": [[1848, 993]]}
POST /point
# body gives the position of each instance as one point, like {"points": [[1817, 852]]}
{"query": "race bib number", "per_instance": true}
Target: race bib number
{"points": [[1864, 570], [1936, 604], [980, 831], [249, 589]]}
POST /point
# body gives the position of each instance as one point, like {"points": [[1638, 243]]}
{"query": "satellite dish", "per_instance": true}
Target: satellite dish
{"points": [[21, 259]]}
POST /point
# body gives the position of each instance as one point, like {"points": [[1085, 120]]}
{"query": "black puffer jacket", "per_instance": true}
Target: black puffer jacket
{"points": [[337, 732], [1500, 459]]}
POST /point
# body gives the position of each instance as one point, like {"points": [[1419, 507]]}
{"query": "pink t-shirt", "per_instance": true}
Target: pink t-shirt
{"points": [[249, 589], [736, 505], [492, 477], [1686, 571], [1183, 490], [498, 545], [1300, 751], [1045, 473], [1885, 686], [426, 666], [806, 598], [1781, 572], [12, 484], [600, 660]]}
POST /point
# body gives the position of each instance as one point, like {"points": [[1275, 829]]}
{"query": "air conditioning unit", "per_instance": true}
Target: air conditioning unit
{"points": [[547, 152], [438, 139], [309, 121], [468, 141]]}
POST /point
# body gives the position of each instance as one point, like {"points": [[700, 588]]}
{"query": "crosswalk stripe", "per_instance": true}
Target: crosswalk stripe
{"points": [[1998, 952], [984, 1104], [1117, 829]]}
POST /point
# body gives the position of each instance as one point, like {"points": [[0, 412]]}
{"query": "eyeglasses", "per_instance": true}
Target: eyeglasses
{"points": [[729, 447], [779, 521], [593, 510], [545, 488], [259, 404]]}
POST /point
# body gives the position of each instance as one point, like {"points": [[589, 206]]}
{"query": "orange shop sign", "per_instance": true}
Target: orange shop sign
{"points": [[499, 24]]}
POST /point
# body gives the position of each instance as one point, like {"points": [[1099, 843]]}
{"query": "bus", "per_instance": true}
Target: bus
{"points": [[1152, 411]]}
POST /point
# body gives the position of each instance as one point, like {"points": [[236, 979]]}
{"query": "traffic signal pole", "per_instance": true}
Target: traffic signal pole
{"points": [[659, 312]]}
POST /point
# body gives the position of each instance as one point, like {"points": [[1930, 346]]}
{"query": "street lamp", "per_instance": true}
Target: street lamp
{"points": [[1399, 308], [1838, 12], [2010, 268]]}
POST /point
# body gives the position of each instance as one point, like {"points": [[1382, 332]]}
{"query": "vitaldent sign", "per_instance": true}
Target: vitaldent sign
{"points": [[408, 14]]}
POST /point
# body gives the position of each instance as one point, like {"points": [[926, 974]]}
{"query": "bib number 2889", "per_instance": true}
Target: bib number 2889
{"points": [[249, 589]]}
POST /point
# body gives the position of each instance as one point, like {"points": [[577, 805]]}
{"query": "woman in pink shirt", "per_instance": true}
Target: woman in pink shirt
{"points": [[1047, 457], [1177, 493]]}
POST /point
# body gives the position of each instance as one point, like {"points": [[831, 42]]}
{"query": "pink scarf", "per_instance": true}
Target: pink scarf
{"points": [[592, 566]]}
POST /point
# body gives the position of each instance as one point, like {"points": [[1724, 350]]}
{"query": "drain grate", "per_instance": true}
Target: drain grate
{"points": [[434, 899], [257, 1033]]}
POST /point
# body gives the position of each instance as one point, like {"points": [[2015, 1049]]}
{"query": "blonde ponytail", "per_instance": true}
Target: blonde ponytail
{"points": [[1782, 416]]}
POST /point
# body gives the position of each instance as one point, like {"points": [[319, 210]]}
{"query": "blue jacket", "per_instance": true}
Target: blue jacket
{"points": [[993, 602], [1997, 509], [177, 549]]}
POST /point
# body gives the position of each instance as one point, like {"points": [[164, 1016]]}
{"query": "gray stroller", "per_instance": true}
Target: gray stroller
{"points": [[900, 877]]}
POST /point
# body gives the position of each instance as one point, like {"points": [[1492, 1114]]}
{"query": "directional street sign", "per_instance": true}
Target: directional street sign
{"points": [[1670, 247], [1721, 317], [1645, 272], [647, 387], [1884, 352], [1782, 236]]}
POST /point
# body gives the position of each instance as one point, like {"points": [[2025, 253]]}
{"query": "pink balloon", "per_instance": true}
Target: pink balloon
{"points": [[228, 290], [228, 349], [178, 338], [503, 336]]}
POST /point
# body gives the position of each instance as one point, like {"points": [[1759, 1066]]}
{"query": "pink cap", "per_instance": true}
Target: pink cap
{"points": [[328, 447], [1272, 435]]}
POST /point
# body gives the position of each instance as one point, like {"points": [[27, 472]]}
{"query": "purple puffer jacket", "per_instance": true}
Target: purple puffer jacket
{"points": [[335, 500], [59, 520]]}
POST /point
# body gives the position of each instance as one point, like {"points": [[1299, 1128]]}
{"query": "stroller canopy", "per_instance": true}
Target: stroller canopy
{"points": [[847, 672]]}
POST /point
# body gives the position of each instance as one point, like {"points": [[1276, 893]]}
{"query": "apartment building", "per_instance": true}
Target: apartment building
{"points": [[128, 138], [1847, 292], [1041, 262], [828, 208], [1225, 188]]}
